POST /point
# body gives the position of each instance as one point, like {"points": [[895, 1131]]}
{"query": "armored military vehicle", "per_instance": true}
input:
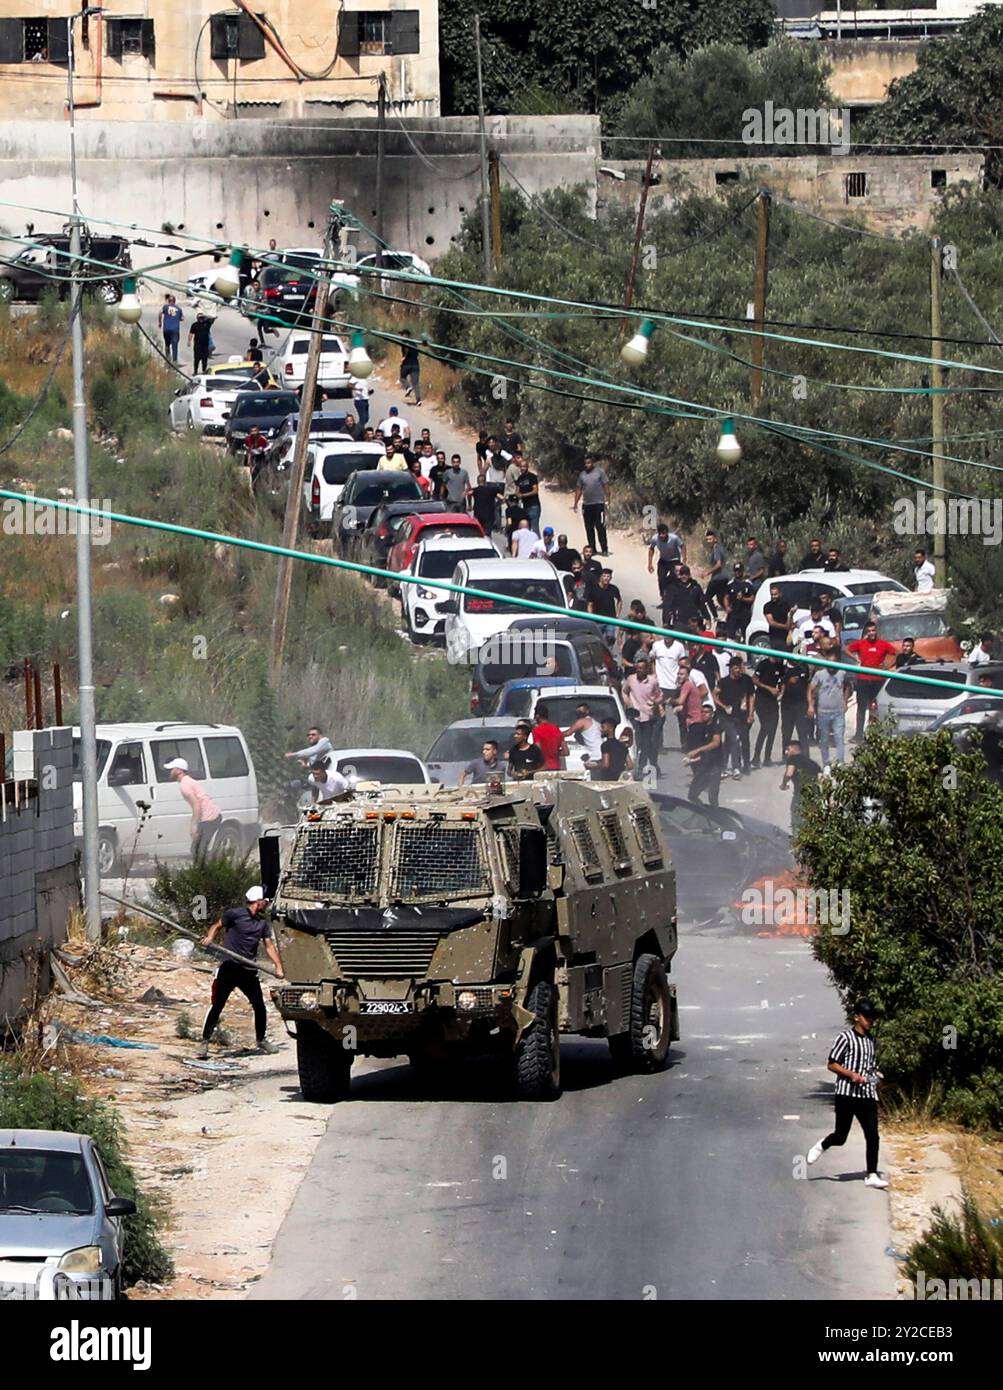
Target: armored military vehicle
{"points": [[429, 921]]}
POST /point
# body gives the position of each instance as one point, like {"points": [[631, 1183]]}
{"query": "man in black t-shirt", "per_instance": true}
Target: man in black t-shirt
{"points": [[564, 556], [794, 704], [777, 613], [244, 929], [523, 758], [733, 697], [908, 656], [614, 756], [800, 772], [768, 680], [485, 500], [683, 600], [738, 600], [705, 755]]}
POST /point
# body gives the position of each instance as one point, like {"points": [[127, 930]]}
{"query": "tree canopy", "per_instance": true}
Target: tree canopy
{"points": [[580, 55], [706, 92], [912, 831]]}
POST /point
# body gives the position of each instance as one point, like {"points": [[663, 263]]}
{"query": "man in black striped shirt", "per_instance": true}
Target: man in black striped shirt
{"points": [[852, 1060]]}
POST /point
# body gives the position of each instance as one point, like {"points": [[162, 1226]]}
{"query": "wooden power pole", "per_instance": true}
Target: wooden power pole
{"points": [[759, 306], [494, 181], [937, 403], [294, 499], [628, 297], [485, 209]]}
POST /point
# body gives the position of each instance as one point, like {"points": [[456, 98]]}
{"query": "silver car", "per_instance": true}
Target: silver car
{"points": [[461, 743], [913, 707], [61, 1227]]}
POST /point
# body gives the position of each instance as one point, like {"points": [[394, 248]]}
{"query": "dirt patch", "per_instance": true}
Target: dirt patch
{"points": [[220, 1147], [929, 1169]]}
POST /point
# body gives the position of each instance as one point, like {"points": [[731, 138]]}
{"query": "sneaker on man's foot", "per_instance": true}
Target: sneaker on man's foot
{"points": [[815, 1152], [875, 1180], [265, 1046], [202, 1052]]}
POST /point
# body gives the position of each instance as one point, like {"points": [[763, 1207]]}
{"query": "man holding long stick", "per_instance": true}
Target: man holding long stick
{"points": [[244, 929]]}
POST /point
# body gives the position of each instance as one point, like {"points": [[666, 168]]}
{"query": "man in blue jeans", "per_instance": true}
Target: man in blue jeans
{"points": [[828, 696], [170, 319]]}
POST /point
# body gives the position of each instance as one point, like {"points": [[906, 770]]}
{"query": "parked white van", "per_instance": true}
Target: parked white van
{"points": [[142, 814]]}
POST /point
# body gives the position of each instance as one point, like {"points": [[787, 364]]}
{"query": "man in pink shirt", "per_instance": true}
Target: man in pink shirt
{"points": [[206, 815]]}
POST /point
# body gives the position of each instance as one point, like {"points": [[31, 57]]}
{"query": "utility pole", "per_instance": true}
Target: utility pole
{"points": [[937, 402], [81, 490], [762, 271], [494, 179], [628, 297], [294, 500], [381, 152], [485, 209]]}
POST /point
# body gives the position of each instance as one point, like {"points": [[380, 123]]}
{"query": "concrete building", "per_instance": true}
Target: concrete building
{"points": [[182, 60], [882, 193], [38, 872], [869, 48], [246, 181]]}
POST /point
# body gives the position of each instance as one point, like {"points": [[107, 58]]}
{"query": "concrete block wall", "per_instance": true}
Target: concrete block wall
{"points": [[39, 883]]}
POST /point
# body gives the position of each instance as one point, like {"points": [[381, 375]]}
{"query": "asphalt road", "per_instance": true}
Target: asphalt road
{"points": [[682, 1185]]}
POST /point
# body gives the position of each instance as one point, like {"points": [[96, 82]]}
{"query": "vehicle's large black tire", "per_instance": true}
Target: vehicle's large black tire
{"points": [[538, 1051], [650, 1008], [324, 1066]]}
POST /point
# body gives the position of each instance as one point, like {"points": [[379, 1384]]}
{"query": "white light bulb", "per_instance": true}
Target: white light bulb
{"points": [[728, 449]]}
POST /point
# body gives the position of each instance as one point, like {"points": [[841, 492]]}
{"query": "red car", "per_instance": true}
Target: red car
{"points": [[419, 528]]}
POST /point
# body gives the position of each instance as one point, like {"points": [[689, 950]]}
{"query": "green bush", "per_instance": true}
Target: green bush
{"points": [[968, 1246], [913, 831], [194, 895], [40, 1100]]}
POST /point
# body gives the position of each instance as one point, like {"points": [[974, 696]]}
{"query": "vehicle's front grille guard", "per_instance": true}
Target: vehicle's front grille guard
{"points": [[430, 861]]}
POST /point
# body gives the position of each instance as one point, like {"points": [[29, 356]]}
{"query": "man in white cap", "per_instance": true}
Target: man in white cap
{"points": [[244, 929], [206, 815]]}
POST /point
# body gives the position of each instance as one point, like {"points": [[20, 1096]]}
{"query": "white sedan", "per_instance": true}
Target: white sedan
{"points": [[204, 405]]}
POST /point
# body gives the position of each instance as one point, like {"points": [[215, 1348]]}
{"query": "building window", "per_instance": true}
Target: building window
{"points": [[856, 185], [131, 37], [723, 177], [235, 36], [378, 33], [938, 178], [33, 41]]}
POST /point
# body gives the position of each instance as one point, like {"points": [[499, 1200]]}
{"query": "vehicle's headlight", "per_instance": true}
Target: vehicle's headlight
{"points": [[86, 1260], [466, 1000], [307, 999], [427, 593]]}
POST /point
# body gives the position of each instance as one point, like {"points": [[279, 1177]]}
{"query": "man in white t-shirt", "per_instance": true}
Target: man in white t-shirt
{"points": [[980, 655], [924, 572], [546, 546], [524, 540], [394, 418], [806, 623], [326, 784]]}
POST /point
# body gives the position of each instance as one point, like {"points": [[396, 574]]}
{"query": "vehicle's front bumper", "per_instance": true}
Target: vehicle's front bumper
{"points": [[42, 1281], [449, 1009]]}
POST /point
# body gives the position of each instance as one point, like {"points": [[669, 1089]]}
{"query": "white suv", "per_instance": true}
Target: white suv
{"points": [[329, 465], [289, 363], [804, 588], [422, 609], [506, 584]]}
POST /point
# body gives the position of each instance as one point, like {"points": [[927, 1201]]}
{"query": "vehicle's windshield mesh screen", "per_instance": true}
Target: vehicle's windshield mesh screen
{"points": [[433, 860], [335, 861]]}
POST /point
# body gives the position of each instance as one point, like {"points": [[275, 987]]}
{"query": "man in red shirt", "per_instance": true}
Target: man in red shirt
{"points": [[872, 652], [549, 739]]}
